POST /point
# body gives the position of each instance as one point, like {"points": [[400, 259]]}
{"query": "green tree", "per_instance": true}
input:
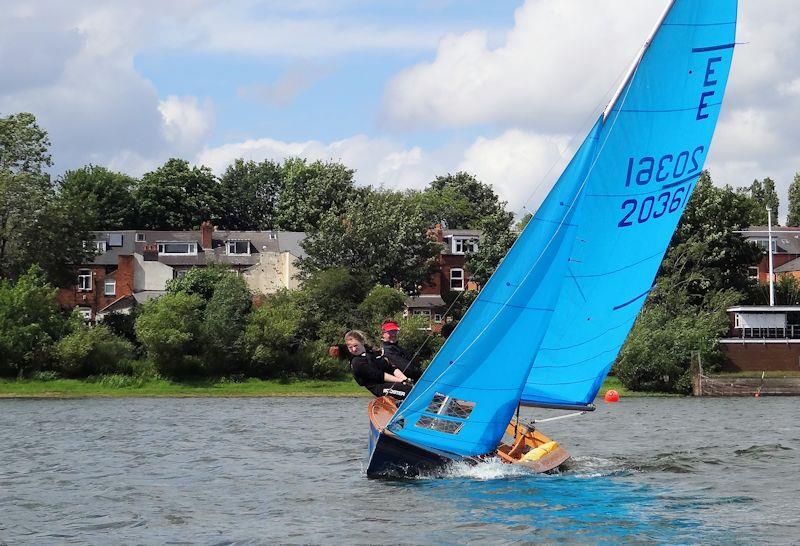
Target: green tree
{"points": [[458, 201], [30, 323], [222, 330], [311, 191], [764, 195], [106, 196], [248, 193], [496, 240], [92, 351], [199, 280], [329, 298], [379, 304], [793, 218], [35, 227], [669, 332], [383, 237], [705, 254], [168, 328], [273, 333], [177, 197]]}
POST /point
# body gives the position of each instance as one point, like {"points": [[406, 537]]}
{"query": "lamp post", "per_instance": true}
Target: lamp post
{"points": [[769, 252]]}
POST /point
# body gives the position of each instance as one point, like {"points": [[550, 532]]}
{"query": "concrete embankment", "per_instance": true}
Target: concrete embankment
{"points": [[746, 386]]}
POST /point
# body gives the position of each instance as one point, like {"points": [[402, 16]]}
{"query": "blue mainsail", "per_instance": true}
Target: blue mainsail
{"points": [[550, 322]]}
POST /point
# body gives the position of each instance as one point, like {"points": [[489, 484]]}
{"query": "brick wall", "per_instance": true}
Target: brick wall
{"points": [[761, 357]]}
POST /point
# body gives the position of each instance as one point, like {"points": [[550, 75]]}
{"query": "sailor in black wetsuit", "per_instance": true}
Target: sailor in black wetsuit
{"points": [[395, 354], [374, 372]]}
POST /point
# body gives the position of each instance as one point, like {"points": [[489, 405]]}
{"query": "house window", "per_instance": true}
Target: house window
{"points": [[737, 323], [273, 235], [84, 280], [437, 318], [140, 238], [86, 313], [115, 239], [180, 273], [456, 279], [110, 288], [752, 272], [100, 246], [424, 312], [177, 248], [763, 244], [239, 247], [462, 245]]}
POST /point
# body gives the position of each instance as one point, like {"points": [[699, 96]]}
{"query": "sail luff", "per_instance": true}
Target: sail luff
{"points": [[637, 60]]}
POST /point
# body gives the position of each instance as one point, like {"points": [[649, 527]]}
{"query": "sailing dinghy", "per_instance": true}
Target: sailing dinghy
{"points": [[546, 328]]}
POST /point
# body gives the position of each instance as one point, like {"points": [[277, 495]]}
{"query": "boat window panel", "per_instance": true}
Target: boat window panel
{"points": [[436, 404], [458, 408], [439, 425], [451, 407]]}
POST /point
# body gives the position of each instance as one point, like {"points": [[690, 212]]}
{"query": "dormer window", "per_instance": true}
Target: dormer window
{"points": [[764, 242], [100, 246], [462, 245], [177, 248], [239, 248]]}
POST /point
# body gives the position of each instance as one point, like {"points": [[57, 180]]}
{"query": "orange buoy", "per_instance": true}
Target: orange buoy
{"points": [[757, 395], [612, 396]]}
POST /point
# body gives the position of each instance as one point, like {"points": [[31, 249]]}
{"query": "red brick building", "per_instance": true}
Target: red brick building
{"points": [[450, 275], [763, 338], [785, 251]]}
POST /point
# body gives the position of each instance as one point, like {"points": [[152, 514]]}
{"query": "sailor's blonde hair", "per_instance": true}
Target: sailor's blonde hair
{"points": [[358, 335]]}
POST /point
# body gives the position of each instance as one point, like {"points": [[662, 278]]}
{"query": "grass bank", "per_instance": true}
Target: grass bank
{"points": [[123, 386]]}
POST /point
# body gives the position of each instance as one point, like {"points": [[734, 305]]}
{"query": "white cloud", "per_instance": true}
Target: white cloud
{"points": [[520, 166], [187, 123], [553, 69]]}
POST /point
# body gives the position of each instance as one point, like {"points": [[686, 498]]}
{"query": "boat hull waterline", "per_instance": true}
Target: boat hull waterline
{"points": [[391, 457]]}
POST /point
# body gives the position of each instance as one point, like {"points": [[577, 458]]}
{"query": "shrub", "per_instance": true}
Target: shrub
{"points": [[222, 329], [30, 323], [168, 329], [379, 303], [91, 351], [199, 280], [271, 335]]}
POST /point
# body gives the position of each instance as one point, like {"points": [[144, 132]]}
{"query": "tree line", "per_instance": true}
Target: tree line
{"points": [[362, 244]]}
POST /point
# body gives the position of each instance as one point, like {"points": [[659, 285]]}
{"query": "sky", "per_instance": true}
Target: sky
{"points": [[399, 90]]}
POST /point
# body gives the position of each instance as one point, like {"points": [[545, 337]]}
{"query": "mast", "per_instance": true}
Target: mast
{"points": [[635, 64], [769, 251]]}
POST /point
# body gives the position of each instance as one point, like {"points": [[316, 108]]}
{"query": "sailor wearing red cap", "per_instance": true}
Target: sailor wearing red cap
{"points": [[395, 354], [372, 371]]}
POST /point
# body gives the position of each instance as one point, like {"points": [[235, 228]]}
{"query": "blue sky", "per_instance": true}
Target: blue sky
{"points": [[401, 91]]}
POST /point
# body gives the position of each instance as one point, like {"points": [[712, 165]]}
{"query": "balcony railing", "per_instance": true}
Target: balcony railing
{"points": [[789, 332]]}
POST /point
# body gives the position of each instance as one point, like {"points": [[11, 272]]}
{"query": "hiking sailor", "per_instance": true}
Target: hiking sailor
{"points": [[371, 371], [395, 354]]}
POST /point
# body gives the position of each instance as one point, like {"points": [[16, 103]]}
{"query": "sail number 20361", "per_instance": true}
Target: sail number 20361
{"points": [[669, 201]]}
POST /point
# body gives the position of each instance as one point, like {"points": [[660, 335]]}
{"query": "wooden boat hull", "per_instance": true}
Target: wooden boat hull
{"points": [[393, 457]]}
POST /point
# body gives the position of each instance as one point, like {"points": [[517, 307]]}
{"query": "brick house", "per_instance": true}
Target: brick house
{"points": [[450, 274], [785, 251], [133, 266]]}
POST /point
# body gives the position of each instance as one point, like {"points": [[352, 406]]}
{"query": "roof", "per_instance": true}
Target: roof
{"points": [[147, 295], [461, 232], [289, 241], [787, 239], [260, 242], [764, 309], [426, 301], [788, 267], [120, 303]]}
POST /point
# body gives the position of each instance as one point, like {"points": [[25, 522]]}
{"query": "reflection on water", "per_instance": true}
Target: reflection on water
{"points": [[292, 470]]}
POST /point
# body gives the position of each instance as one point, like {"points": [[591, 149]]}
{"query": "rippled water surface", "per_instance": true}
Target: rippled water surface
{"points": [[292, 470]]}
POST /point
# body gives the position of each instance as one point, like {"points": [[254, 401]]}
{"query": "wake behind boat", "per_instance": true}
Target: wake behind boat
{"points": [[547, 327]]}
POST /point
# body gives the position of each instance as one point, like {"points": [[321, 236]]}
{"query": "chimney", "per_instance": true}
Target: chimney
{"points": [[206, 230], [124, 275], [437, 232]]}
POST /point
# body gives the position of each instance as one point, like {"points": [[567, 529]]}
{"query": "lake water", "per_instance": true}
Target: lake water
{"points": [[291, 470]]}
